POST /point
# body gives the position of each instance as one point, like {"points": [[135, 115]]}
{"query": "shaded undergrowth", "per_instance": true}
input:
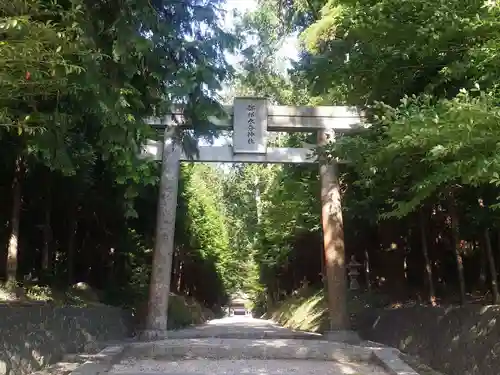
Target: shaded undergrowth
{"points": [[306, 309]]}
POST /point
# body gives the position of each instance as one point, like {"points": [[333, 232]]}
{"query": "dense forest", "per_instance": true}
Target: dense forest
{"points": [[420, 194], [78, 80]]}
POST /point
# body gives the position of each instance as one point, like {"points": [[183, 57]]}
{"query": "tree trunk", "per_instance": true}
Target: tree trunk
{"points": [[175, 270], [491, 263], [323, 269], [498, 241], [483, 266], [73, 227], [367, 270], [47, 233], [455, 227], [111, 262], [180, 279], [425, 252], [13, 249]]}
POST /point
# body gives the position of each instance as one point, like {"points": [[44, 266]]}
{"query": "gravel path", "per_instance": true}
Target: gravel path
{"points": [[241, 327], [240, 367], [240, 333]]}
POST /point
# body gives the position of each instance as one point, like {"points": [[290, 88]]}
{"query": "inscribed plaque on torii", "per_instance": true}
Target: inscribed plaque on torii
{"points": [[250, 126]]}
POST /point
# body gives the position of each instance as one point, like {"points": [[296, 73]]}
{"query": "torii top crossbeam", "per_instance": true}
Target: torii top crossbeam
{"points": [[252, 118], [280, 118]]}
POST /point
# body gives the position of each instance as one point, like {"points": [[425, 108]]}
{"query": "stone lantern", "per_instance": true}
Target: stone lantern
{"points": [[353, 273]]}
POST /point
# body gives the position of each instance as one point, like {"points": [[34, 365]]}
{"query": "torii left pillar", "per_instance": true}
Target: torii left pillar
{"points": [[159, 287]]}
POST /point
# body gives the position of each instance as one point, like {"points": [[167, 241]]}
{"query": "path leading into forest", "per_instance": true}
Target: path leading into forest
{"points": [[244, 345]]}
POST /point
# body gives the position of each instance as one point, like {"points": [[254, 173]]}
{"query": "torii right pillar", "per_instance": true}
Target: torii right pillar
{"points": [[334, 250]]}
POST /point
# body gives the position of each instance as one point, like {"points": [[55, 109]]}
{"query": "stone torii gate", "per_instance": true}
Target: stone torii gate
{"points": [[251, 119]]}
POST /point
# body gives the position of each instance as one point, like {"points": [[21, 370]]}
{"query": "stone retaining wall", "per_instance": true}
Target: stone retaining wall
{"points": [[455, 341], [35, 335]]}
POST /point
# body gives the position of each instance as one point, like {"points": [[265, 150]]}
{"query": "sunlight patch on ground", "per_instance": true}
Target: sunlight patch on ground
{"points": [[305, 313], [240, 366]]}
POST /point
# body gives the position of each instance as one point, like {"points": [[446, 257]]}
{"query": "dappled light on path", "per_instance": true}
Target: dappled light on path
{"points": [[239, 366], [244, 345], [242, 327]]}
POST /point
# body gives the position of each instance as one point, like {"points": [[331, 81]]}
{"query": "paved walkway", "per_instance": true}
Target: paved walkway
{"points": [[242, 327], [243, 345]]}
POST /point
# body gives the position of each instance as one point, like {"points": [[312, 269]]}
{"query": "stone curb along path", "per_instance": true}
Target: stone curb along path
{"points": [[246, 339], [214, 348], [101, 362], [217, 348], [390, 360]]}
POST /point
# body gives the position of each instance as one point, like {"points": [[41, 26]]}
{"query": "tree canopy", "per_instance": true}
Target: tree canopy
{"points": [[79, 80], [420, 194], [422, 181]]}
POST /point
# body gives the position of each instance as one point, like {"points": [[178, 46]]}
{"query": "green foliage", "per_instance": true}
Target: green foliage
{"points": [[305, 311], [456, 139], [430, 87], [306, 308], [74, 296], [105, 58], [79, 78], [184, 312], [39, 43], [242, 188], [383, 50], [78, 81], [205, 225], [425, 73]]}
